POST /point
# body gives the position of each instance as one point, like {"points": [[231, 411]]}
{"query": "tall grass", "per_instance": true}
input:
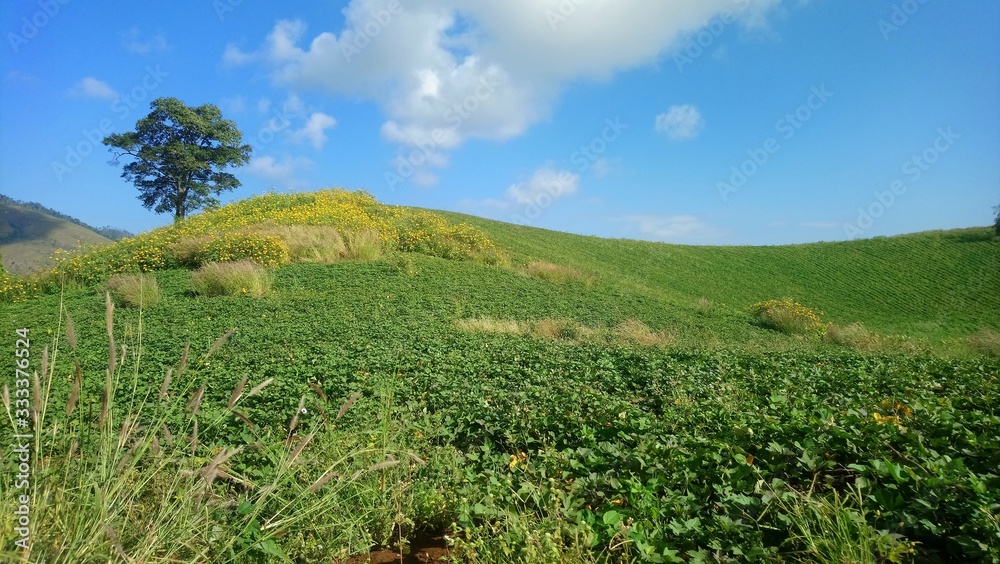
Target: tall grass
{"points": [[241, 278], [364, 245], [310, 243], [556, 273], [136, 290], [834, 528], [123, 473]]}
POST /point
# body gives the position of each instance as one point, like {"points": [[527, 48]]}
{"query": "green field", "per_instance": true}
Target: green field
{"points": [[632, 410]]}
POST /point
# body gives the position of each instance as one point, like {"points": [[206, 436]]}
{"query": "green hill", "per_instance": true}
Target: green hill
{"points": [[29, 237], [935, 284], [535, 396]]}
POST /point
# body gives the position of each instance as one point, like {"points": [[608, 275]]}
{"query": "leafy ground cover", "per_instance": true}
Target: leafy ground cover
{"points": [[362, 404]]}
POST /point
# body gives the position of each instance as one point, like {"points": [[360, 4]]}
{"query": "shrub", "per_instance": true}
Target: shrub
{"points": [[135, 290], [241, 278], [788, 316], [14, 288], [556, 273], [986, 342], [364, 245]]}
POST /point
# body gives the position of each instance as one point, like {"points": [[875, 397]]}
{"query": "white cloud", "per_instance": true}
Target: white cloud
{"points": [[90, 87], [546, 183], [680, 122], [314, 130], [136, 43], [670, 228], [278, 171], [456, 70], [235, 57]]}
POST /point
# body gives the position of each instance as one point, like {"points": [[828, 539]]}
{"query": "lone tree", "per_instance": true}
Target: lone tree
{"points": [[179, 155], [996, 226]]}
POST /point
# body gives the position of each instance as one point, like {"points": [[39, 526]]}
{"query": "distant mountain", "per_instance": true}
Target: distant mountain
{"points": [[113, 233], [30, 233]]}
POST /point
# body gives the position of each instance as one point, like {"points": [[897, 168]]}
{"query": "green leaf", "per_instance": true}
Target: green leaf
{"points": [[612, 517]]}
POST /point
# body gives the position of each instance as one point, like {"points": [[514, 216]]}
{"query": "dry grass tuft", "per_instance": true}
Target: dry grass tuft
{"points": [[986, 342], [562, 329], [189, 251], [557, 274], [133, 290], [364, 245], [857, 336], [309, 243], [638, 332], [241, 278], [704, 306], [490, 325]]}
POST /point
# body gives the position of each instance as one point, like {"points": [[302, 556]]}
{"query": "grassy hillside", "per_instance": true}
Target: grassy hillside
{"points": [[535, 396], [29, 238], [932, 284]]}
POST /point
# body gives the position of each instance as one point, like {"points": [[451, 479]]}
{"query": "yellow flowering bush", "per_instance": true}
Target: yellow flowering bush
{"points": [[15, 288], [250, 230], [788, 316], [265, 250]]}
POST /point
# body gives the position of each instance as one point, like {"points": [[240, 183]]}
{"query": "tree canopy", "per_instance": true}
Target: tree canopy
{"points": [[180, 155]]}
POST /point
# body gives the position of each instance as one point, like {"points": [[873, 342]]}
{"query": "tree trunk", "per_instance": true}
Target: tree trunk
{"points": [[179, 207]]}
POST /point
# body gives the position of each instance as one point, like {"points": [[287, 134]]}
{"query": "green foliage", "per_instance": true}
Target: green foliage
{"points": [[180, 154], [996, 224], [135, 290], [123, 470], [539, 449]]}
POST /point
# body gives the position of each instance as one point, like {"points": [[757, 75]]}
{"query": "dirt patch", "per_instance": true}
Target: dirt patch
{"points": [[421, 551]]}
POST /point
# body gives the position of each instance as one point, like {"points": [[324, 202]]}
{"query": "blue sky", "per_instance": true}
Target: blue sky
{"points": [[691, 121]]}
